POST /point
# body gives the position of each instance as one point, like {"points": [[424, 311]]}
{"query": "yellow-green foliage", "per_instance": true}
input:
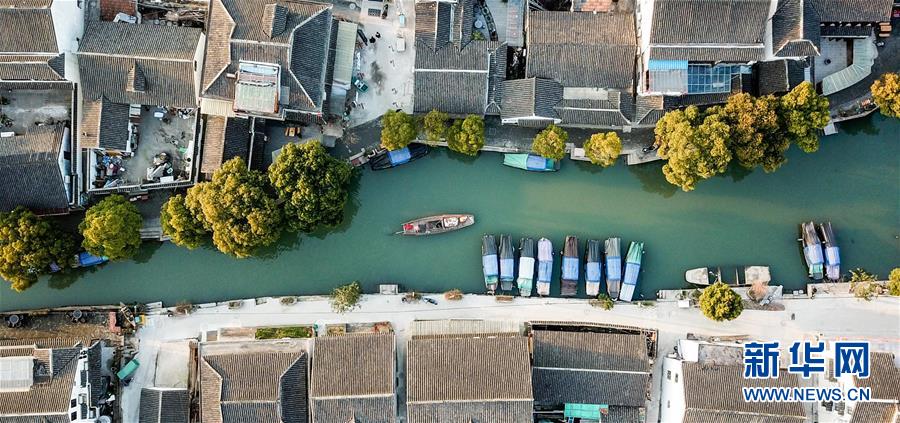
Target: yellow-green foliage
{"points": [[886, 93], [719, 302], [551, 143], [603, 148], [112, 228]]}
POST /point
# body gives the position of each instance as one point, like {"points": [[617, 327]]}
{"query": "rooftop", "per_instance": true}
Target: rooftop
{"points": [[30, 173], [725, 403], [34, 32]]}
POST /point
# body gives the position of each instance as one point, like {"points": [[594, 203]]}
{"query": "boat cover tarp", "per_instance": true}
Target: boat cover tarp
{"points": [[592, 268], [633, 263], [529, 162], [534, 162], [627, 292], [832, 252], [570, 268], [526, 266], [507, 259], [399, 156], [489, 256], [631, 273], [812, 246], [86, 259], [526, 269], [613, 260], [545, 260]]}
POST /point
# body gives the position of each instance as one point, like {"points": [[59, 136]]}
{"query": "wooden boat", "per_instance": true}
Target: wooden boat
{"points": [[545, 266], [438, 224], [489, 263], [732, 275], [832, 252], [592, 267], [531, 162], [525, 281], [570, 268], [812, 250], [388, 159], [507, 263], [613, 267], [632, 270]]}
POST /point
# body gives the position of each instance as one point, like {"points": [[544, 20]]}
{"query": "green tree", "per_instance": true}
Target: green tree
{"points": [[468, 136], [112, 228], [180, 224], [435, 123], [29, 245], [863, 284], [695, 146], [398, 130], [603, 148], [894, 282], [719, 302], [756, 136], [803, 113], [238, 207], [346, 297], [313, 185], [551, 142], [886, 93]]}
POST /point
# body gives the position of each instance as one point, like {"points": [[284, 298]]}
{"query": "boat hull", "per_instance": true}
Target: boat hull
{"points": [[389, 159], [632, 271], [435, 225], [489, 263], [570, 268], [525, 282], [812, 251]]}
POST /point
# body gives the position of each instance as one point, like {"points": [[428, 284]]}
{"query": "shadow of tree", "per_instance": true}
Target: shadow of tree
{"points": [[148, 248], [652, 179]]}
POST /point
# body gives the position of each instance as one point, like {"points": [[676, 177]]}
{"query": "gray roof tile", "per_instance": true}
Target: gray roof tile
{"points": [[708, 54], [163, 405], [588, 350], [884, 377], [709, 21], [46, 401], [225, 139], [32, 68], [157, 42], [29, 172], [852, 10], [34, 32], [555, 387], [728, 380]]}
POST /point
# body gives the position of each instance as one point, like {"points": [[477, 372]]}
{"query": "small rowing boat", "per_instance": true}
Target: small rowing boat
{"points": [[812, 250], [632, 270], [526, 266], [438, 224], [732, 275], [832, 252], [507, 263], [570, 271], [388, 159], [613, 267], [530, 162], [592, 267], [545, 266], [489, 263]]}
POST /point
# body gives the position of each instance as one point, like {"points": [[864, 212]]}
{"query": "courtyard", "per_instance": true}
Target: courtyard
{"points": [[26, 108]]}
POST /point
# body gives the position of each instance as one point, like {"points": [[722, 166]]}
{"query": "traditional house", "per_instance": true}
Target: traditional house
{"points": [[164, 405], [456, 71], [50, 384], [579, 71], [353, 379], [468, 372], [139, 101], [36, 171], [36, 37], [702, 381], [883, 381], [260, 381], [592, 373]]}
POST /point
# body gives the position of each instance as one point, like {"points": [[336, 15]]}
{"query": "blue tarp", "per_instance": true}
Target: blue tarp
{"points": [[833, 256], [489, 264], [592, 272], [545, 271], [506, 269], [632, 270], [813, 254], [668, 65], [614, 268], [537, 163], [399, 156], [570, 268], [86, 259]]}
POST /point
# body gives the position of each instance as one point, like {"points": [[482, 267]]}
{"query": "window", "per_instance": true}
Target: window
{"points": [[74, 416], [676, 377], [73, 403], [668, 404], [669, 374]]}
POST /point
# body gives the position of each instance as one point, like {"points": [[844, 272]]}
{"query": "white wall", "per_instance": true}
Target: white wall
{"points": [[671, 402], [68, 22]]}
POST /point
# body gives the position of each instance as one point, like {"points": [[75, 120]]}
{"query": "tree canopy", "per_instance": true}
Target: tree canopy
{"points": [[398, 130], [756, 136], [696, 146], [435, 124], [719, 302], [313, 185], [603, 148], [886, 93], [551, 142], [180, 224], [346, 297], [238, 207], [29, 245], [112, 228], [467, 135], [803, 113]]}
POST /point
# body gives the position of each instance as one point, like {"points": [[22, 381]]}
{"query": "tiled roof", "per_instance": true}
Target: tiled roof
{"points": [[225, 139], [709, 21], [32, 68], [591, 5], [457, 93], [48, 399], [25, 4], [788, 31], [157, 42], [715, 416], [873, 412], [164, 405], [779, 76], [34, 31], [250, 385], [582, 49], [29, 170], [708, 54], [377, 409], [560, 386], [798, 48], [262, 31], [728, 380], [530, 97], [884, 377], [469, 378], [852, 10]]}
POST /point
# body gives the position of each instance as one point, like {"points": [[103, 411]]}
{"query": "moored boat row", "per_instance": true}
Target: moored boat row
{"points": [[820, 251], [500, 267]]}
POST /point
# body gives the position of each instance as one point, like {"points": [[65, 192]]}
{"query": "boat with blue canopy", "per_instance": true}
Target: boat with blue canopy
{"points": [[812, 250], [592, 267], [570, 270], [531, 162], [526, 266], [489, 262], [507, 263], [832, 252], [613, 267], [545, 266], [632, 270], [388, 159]]}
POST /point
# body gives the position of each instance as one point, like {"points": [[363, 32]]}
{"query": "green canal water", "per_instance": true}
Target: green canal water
{"points": [[740, 218]]}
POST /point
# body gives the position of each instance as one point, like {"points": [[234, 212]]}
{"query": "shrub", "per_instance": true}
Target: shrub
{"points": [[719, 302], [894, 282], [453, 295], [551, 142], [112, 228], [346, 297]]}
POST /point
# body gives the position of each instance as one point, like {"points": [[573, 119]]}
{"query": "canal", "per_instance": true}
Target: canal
{"points": [[739, 218]]}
